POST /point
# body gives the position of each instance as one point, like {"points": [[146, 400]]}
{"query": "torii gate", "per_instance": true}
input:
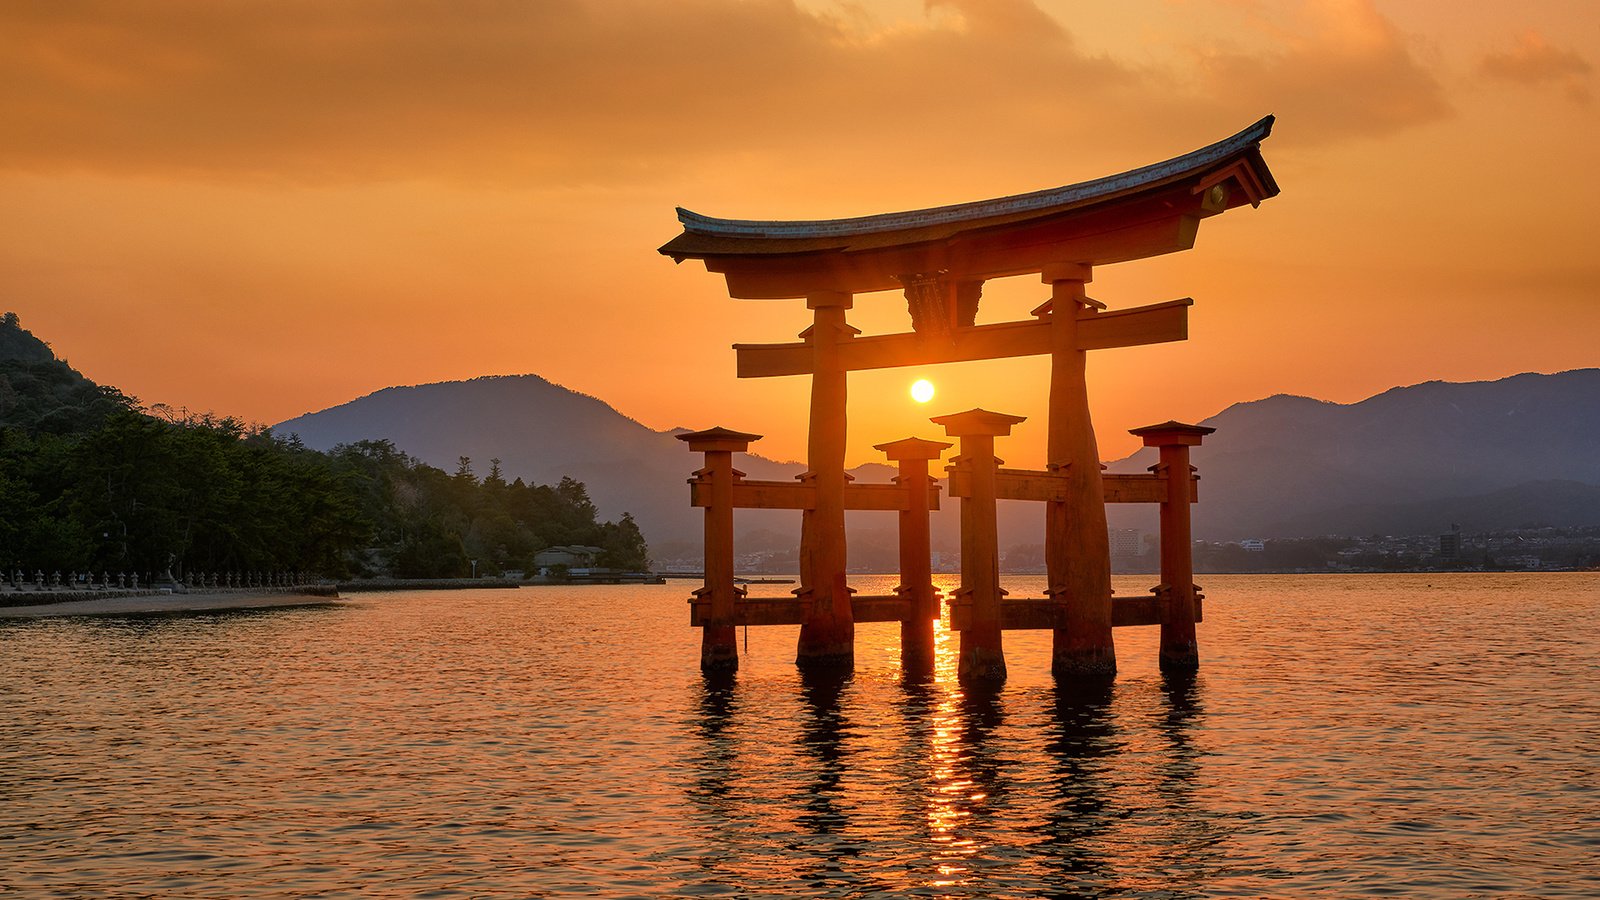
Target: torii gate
{"points": [[940, 259]]}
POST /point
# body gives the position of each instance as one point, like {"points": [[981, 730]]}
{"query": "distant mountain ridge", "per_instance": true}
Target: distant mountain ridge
{"points": [[1480, 454], [1520, 450], [540, 431]]}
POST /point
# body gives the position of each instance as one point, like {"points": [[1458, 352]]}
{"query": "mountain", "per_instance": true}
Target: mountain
{"points": [[1416, 459], [540, 431], [1497, 454]]}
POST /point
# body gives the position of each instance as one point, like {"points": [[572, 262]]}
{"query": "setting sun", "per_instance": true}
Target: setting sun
{"points": [[922, 390]]}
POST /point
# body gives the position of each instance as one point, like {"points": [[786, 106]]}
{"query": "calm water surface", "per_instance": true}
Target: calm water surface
{"points": [[1427, 735]]}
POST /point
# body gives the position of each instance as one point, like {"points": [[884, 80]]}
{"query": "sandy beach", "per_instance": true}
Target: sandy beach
{"points": [[153, 603]]}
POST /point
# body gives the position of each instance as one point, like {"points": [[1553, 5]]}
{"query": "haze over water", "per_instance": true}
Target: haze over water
{"points": [[1417, 735]]}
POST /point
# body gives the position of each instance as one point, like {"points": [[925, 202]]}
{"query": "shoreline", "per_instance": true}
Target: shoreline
{"points": [[155, 602]]}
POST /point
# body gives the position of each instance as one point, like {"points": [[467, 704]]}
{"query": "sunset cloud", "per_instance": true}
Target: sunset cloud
{"points": [[551, 90], [1534, 62], [1341, 67], [583, 91]]}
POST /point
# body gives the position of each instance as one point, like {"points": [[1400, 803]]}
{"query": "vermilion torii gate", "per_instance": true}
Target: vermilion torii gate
{"points": [[940, 259]]}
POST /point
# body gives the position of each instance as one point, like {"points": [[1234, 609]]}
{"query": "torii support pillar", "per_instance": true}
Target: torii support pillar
{"points": [[982, 656], [719, 648], [1179, 650], [916, 552], [1076, 545], [827, 634]]}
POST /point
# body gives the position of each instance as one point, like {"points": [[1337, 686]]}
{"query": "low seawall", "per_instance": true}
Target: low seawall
{"points": [[41, 604], [50, 597], [423, 584], [629, 578]]}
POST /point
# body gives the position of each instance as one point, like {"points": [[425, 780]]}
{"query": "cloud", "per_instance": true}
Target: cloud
{"points": [[559, 90], [1339, 69], [1534, 62], [565, 92]]}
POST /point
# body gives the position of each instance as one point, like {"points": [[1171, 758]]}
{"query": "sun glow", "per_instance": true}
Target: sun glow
{"points": [[922, 390]]}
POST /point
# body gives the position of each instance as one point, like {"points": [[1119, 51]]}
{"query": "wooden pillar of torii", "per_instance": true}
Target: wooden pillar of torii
{"points": [[719, 649], [939, 259], [1076, 545], [916, 551], [827, 635], [1176, 592], [981, 655]]}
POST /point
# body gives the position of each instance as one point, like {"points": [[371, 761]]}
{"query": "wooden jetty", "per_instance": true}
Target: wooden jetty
{"points": [[939, 259]]}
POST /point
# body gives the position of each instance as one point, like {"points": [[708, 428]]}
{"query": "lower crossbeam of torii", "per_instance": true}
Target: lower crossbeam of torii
{"points": [[939, 258]]}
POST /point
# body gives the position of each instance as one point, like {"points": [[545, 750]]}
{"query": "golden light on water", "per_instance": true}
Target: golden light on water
{"points": [[922, 390]]}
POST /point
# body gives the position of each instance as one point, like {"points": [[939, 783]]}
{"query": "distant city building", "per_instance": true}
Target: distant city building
{"points": [[1126, 542], [1450, 543]]}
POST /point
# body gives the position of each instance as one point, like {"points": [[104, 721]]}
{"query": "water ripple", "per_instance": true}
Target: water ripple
{"points": [[1366, 736]]}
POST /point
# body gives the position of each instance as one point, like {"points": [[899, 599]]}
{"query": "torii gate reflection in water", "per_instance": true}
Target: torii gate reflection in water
{"points": [[940, 259]]}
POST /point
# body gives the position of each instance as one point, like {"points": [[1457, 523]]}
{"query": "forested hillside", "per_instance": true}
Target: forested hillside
{"points": [[90, 481]]}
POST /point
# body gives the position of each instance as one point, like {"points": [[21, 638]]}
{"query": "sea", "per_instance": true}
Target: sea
{"points": [[1418, 735]]}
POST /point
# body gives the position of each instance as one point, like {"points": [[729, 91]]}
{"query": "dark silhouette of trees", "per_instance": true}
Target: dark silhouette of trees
{"points": [[88, 481]]}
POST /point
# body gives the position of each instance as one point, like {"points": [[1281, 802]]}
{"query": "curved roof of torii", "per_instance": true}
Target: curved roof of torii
{"points": [[706, 237]]}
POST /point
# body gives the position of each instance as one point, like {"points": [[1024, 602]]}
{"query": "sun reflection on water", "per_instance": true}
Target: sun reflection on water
{"points": [[953, 793]]}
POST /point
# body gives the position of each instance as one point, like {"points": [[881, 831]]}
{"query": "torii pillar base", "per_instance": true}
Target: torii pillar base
{"points": [[719, 649], [1074, 662], [827, 638], [982, 662]]}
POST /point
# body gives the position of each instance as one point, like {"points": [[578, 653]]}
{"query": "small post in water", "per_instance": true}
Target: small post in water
{"points": [[719, 648], [1180, 651]]}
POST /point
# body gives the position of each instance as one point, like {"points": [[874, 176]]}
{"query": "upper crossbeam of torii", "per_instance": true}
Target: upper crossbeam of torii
{"points": [[940, 258], [1144, 212]]}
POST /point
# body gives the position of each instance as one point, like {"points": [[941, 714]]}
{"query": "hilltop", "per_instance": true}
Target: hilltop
{"points": [[42, 394]]}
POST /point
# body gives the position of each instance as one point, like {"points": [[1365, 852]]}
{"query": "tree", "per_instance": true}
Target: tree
{"points": [[624, 546], [88, 480]]}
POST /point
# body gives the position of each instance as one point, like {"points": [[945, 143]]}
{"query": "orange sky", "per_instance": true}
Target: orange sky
{"points": [[264, 209]]}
